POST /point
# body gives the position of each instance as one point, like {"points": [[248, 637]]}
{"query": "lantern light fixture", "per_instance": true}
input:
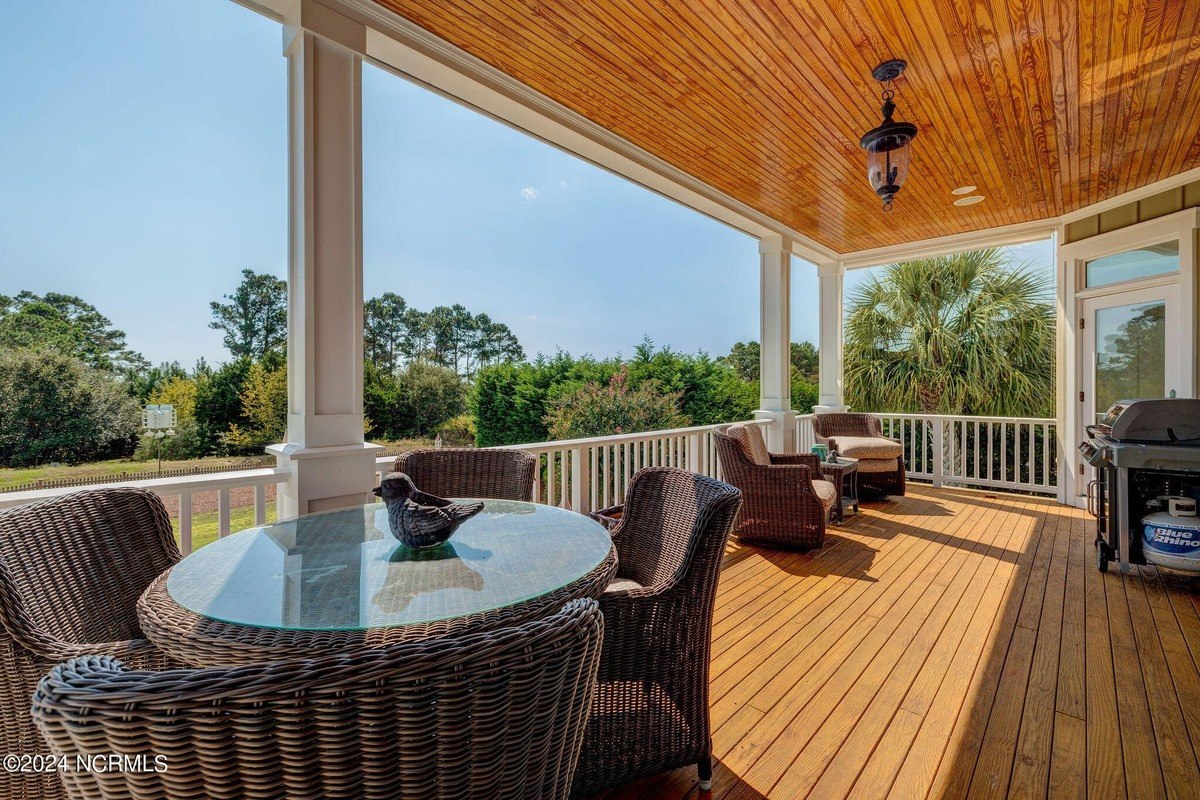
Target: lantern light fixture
{"points": [[887, 146]]}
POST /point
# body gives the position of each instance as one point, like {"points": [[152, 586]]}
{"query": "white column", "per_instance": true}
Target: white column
{"points": [[775, 366], [832, 276], [330, 464]]}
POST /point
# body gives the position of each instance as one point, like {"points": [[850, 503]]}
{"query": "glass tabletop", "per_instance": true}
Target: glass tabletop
{"points": [[343, 570]]}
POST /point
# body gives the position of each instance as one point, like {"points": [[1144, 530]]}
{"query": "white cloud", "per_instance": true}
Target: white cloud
{"points": [[530, 193]]}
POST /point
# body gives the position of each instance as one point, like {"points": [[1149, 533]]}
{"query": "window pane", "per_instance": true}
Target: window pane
{"points": [[1131, 344], [1146, 262]]}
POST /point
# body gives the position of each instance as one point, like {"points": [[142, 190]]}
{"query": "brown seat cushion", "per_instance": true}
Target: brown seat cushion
{"points": [[873, 465], [868, 447], [621, 585], [826, 493]]}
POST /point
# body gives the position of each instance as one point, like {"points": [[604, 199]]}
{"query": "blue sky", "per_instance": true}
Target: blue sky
{"points": [[143, 165]]}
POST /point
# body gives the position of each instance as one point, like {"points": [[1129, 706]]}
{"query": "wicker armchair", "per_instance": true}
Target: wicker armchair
{"points": [[71, 571], [651, 711], [494, 714], [468, 472], [786, 502], [860, 436]]}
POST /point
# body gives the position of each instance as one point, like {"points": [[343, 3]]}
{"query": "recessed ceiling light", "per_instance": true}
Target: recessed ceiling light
{"points": [[969, 201], [963, 190]]}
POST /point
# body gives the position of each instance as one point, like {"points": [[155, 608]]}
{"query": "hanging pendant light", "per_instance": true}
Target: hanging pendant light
{"points": [[887, 145]]}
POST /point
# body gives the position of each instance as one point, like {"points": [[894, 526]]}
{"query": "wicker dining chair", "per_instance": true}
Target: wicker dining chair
{"points": [[493, 714], [651, 710], [860, 436], [468, 472], [71, 571], [785, 501]]}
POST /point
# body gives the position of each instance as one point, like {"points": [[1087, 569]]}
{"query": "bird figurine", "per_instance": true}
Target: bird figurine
{"points": [[419, 519]]}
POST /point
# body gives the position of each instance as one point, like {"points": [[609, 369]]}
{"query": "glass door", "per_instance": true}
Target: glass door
{"points": [[1131, 344]]}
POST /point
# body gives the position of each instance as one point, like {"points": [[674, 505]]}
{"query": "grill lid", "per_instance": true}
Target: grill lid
{"points": [[1174, 420]]}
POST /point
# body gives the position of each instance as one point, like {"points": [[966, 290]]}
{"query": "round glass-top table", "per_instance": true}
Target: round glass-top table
{"points": [[337, 580]]}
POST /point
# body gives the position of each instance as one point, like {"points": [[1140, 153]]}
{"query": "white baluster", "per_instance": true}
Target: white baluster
{"points": [[222, 512], [185, 522]]}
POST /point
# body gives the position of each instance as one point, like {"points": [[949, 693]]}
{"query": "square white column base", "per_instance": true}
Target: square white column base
{"points": [[830, 408], [324, 478]]}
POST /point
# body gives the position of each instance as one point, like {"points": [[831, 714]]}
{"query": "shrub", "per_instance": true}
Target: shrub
{"points": [[596, 410], [432, 395], [415, 402], [458, 431], [264, 401], [56, 408]]}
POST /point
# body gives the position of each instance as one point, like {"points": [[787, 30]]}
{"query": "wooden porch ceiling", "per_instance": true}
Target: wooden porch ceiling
{"points": [[1045, 105]]}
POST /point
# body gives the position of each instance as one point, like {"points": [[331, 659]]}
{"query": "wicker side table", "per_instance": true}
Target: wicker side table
{"points": [[336, 582], [844, 476]]}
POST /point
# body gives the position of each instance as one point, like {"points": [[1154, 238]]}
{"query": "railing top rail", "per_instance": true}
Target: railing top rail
{"points": [[189, 483], [964, 417]]}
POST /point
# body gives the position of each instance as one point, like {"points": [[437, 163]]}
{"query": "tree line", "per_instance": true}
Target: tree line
{"points": [[970, 333], [71, 390]]}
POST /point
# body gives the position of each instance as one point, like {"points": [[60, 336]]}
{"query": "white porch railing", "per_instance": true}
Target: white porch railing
{"points": [[184, 489], [589, 474], [1017, 453]]}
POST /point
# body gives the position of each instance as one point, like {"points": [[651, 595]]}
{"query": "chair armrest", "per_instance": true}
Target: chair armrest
{"points": [[809, 460], [134, 653]]}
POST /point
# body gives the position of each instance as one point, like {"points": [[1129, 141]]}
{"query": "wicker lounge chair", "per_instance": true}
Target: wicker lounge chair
{"points": [[651, 711], [860, 436], [495, 714], [785, 502], [468, 472], [71, 571]]}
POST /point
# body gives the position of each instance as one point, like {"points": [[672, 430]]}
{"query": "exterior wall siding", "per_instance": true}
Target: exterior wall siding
{"points": [[1159, 205]]}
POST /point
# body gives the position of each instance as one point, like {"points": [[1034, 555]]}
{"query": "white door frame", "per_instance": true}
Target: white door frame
{"points": [[1073, 293]]}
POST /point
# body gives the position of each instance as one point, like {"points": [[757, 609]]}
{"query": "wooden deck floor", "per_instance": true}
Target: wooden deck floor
{"points": [[950, 644]]}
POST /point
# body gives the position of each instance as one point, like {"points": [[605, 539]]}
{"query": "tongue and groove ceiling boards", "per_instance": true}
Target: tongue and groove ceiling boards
{"points": [[1046, 105]]}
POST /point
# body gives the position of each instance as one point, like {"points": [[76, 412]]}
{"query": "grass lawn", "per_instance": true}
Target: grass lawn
{"points": [[100, 470], [204, 526], [107, 469]]}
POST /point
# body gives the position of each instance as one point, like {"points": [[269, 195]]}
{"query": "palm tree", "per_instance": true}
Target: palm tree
{"points": [[968, 333]]}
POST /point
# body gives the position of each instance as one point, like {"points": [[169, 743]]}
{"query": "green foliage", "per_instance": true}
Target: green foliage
{"points": [[458, 431], [384, 328], [967, 333], [54, 407], [183, 446], [805, 393], [433, 395], [219, 402], [254, 321], [415, 402], [745, 358], [596, 410], [67, 324], [806, 360], [264, 400], [510, 402], [179, 392], [143, 384]]}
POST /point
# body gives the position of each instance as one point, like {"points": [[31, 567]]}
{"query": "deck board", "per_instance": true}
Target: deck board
{"points": [[950, 644]]}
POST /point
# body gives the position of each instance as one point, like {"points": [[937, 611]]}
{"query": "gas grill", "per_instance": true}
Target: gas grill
{"points": [[1143, 451]]}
